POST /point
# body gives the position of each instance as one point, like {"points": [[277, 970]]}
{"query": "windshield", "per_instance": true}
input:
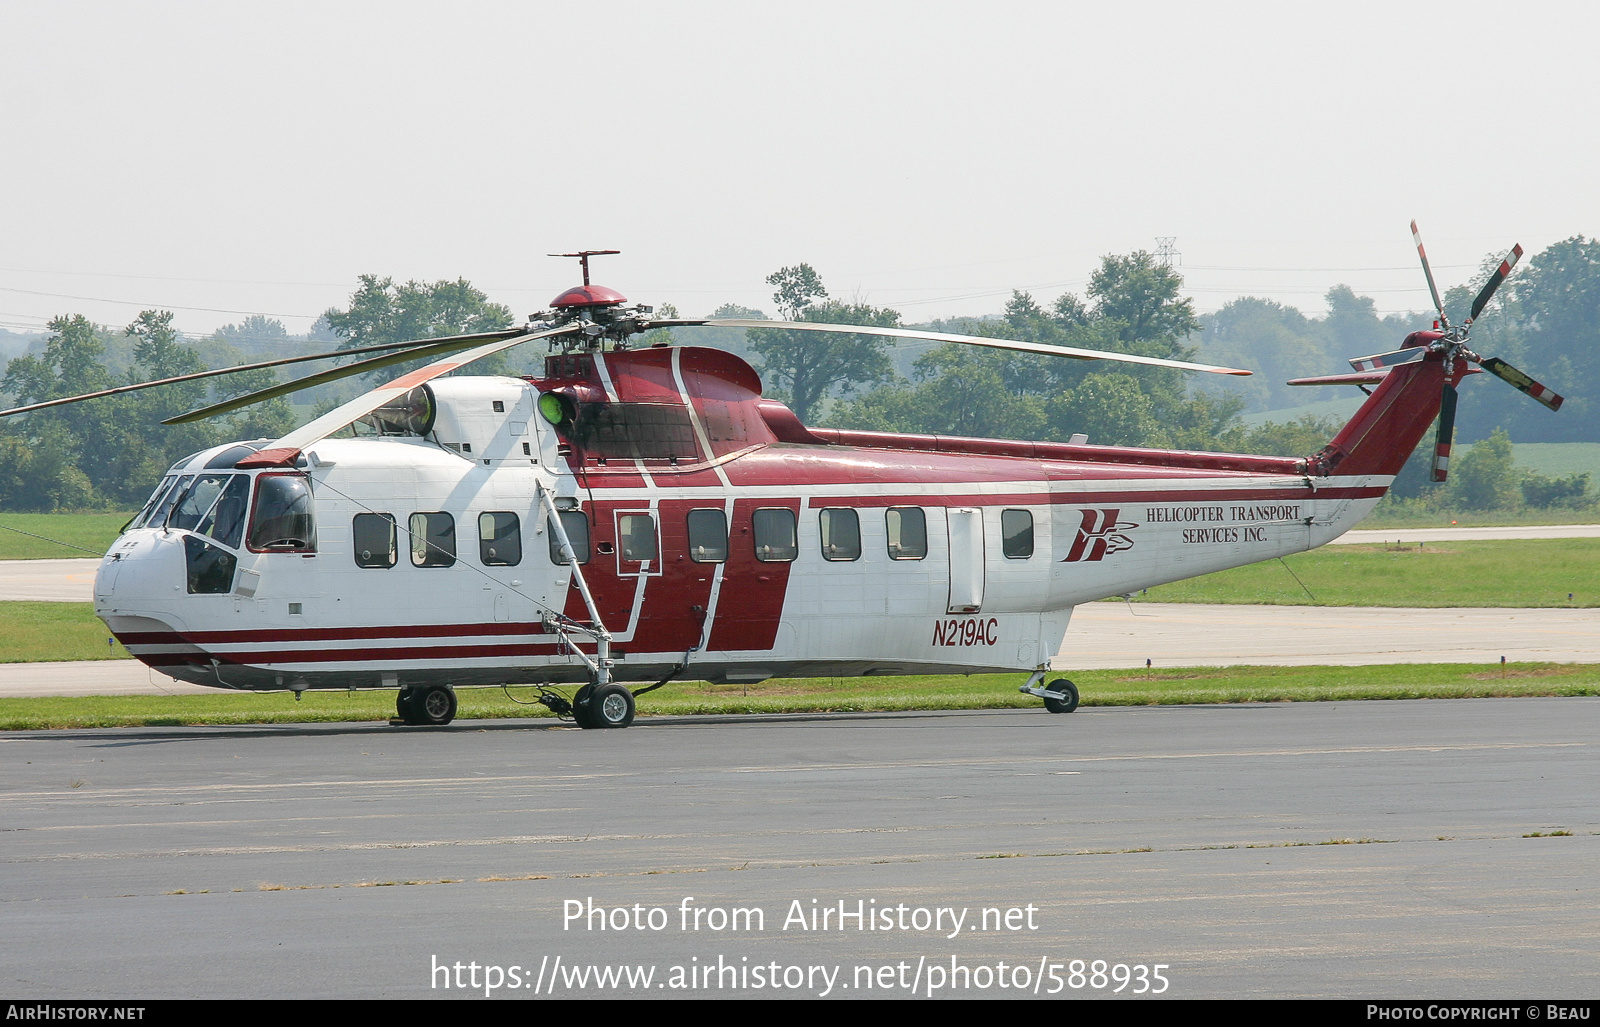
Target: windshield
{"points": [[143, 516], [213, 504]]}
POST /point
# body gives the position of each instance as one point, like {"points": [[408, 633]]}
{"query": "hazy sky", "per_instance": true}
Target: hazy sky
{"points": [[924, 156]]}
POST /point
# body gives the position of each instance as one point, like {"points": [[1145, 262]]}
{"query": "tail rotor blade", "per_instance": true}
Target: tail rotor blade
{"points": [[1437, 305], [1495, 279], [1504, 371], [1447, 433]]}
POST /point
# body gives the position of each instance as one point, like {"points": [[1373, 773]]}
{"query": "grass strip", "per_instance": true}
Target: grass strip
{"points": [[46, 632], [91, 531], [846, 695], [1531, 573]]}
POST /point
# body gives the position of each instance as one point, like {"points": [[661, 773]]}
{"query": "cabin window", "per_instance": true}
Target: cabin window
{"points": [[841, 534], [282, 522], [637, 535], [433, 540], [774, 535], [210, 568], [1016, 534], [636, 431], [708, 536], [499, 539], [907, 528], [577, 528], [374, 540]]}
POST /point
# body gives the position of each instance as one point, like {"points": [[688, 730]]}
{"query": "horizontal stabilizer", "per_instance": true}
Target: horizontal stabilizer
{"points": [[1358, 377], [1355, 378]]}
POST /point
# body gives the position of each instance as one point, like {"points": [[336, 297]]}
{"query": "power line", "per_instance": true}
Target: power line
{"points": [[150, 306], [173, 278]]}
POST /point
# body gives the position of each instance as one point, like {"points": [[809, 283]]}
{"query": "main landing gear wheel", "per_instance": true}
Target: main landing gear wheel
{"points": [[429, 705], [1067, 694], [580, 707], [610, 705]]}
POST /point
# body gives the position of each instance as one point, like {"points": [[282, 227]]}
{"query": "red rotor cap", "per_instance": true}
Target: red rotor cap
{"points": [[588, 296]]}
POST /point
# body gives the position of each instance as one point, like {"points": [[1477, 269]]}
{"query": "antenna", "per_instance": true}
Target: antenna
{"points": [[583, 258], [1167, 250]]}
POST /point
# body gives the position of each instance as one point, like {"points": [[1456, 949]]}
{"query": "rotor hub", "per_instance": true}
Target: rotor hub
{"points": [[581, 297]]}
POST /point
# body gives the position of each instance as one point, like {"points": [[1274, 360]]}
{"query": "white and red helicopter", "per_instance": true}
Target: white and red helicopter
{"points": [[638, 514]]}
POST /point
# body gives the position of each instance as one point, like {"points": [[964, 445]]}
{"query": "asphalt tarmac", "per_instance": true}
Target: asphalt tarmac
{"points": [[1429, 849]]}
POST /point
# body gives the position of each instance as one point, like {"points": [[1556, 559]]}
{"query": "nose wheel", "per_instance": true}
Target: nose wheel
{"points": [[1060, 695], [430, 705]]}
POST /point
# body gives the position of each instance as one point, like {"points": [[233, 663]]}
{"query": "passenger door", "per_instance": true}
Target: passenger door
{"points": [[966, 560]]}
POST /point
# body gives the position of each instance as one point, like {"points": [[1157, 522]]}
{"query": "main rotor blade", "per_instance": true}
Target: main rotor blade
{"points": [[971, 340], [284, 450], [196, 376], [1504, 371], [1447, 433], [1495, 279], [1437, 305], [418, 349]]}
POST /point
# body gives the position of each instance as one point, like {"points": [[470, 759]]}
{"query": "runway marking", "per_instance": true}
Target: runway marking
{"points": [[388, 782], [1350, 750], [269, 820]]}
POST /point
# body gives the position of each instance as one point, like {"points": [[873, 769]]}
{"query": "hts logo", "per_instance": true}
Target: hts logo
{"points": [[1099, 536]]}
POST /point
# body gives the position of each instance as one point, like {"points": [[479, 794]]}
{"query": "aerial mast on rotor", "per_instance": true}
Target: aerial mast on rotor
{"points": [[583, 259]]}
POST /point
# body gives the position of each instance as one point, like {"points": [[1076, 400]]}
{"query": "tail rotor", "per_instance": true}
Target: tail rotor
{"points": [[1451, 342]]}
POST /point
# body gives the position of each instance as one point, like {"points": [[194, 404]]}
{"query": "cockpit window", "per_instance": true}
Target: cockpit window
{"points": [[213, 504], [225, 522], [162, 488], [197, 500], [282, 522], [163, 507]]}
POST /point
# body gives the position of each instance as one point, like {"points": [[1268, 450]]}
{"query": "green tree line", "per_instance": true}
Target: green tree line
{"points": [[108, 453]]}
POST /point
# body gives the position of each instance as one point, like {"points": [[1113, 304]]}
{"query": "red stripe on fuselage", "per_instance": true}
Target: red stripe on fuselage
{"points": [[269, 657], [675, 599], [354, 634]]}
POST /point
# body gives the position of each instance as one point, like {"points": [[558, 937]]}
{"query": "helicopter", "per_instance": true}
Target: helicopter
{"points": [[638, 512]]}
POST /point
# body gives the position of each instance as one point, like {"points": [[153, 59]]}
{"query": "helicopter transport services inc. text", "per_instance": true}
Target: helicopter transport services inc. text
{"points": [[1242, 523]]}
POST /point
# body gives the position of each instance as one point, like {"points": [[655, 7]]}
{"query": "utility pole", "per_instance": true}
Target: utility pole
{"points": [[1167, 250]]}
